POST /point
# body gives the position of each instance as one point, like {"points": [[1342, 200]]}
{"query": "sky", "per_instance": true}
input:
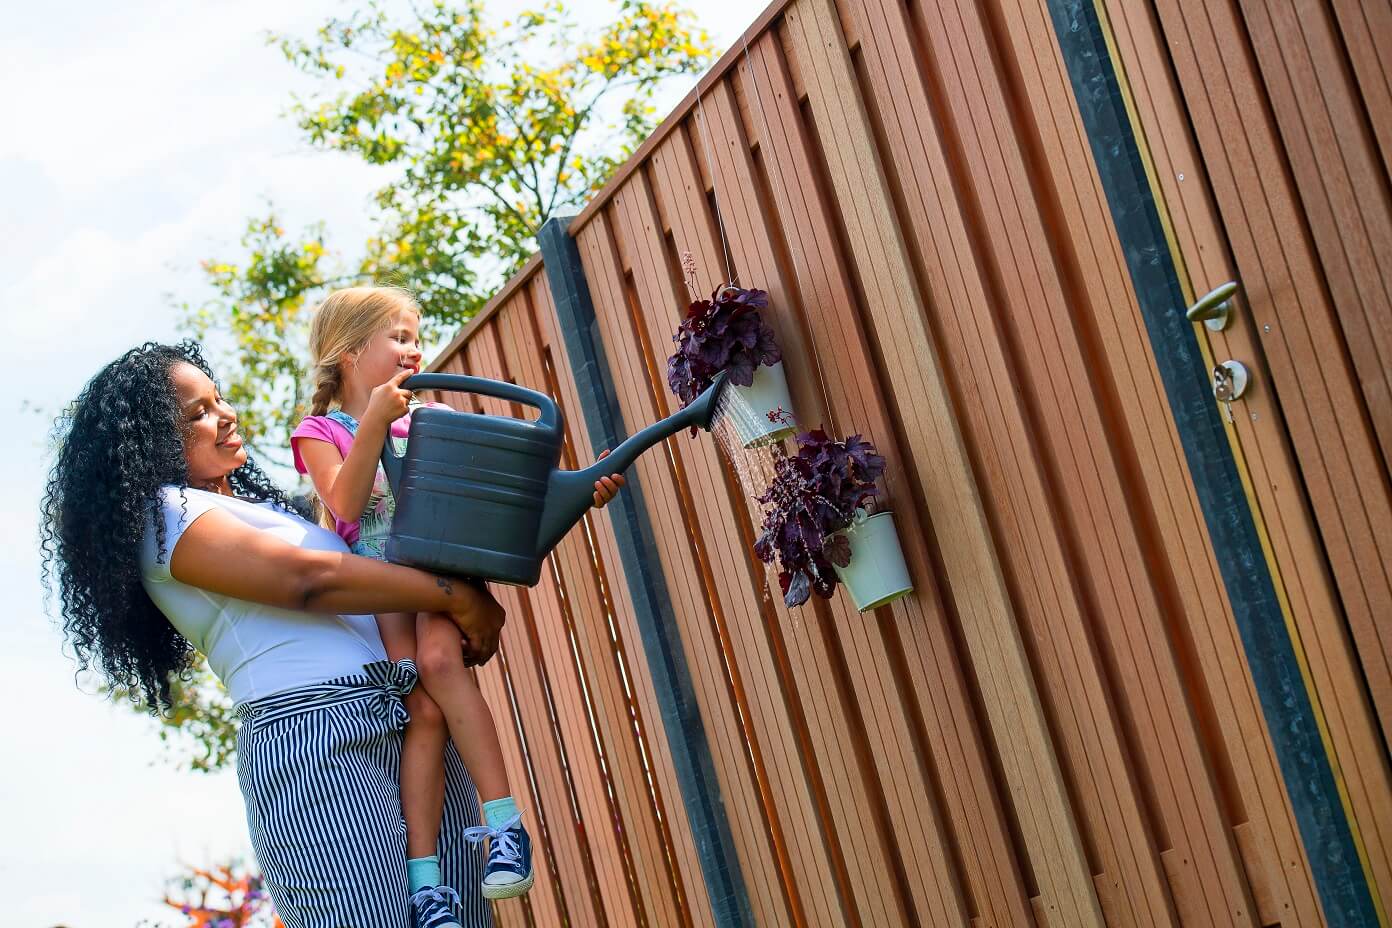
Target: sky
{"points": [[135, 140]]}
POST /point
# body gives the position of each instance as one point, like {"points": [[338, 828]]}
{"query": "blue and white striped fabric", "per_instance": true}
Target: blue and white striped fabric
{"points": [[319, 769]]}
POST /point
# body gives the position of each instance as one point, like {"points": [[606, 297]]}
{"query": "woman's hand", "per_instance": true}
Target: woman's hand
{"points": [[606, 488], [388, 402], [480, 622]]}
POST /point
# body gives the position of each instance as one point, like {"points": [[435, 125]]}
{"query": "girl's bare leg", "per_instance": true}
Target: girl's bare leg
{"points": [[455, 690], [423, 751]]}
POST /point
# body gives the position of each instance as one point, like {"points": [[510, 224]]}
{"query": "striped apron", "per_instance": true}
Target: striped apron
{"points": [[319, 770]]}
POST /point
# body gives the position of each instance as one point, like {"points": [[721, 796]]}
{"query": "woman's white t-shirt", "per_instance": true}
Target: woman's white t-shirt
{"points": [[255, 650]]}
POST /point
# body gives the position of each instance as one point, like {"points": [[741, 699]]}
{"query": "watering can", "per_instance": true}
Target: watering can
{"points": [[481, 496]]}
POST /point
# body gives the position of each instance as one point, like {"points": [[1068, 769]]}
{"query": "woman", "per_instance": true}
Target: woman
{"points": [[164, 538]]}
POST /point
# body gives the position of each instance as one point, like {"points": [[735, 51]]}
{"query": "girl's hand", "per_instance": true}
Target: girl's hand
{"points": [[606, 488], [388, 402]]}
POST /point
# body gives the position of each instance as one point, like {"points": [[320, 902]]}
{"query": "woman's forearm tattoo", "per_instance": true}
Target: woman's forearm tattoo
{"points": [[445, 584]]}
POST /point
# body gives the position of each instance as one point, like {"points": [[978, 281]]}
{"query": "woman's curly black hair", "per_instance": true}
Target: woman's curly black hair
{"points": [[117, 444]]}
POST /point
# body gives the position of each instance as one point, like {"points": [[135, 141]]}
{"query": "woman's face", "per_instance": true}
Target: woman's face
{"points": [[391, 350], [212, 446]]}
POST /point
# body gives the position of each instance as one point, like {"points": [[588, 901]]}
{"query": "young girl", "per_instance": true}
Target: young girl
{"points": [[364, 343]]}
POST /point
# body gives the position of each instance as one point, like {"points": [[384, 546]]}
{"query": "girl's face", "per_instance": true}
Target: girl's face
{"points": [[395, 348], [212, 446]]}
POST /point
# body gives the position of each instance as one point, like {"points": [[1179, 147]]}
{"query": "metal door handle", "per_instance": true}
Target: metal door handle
{"points": [[1214, 308]]}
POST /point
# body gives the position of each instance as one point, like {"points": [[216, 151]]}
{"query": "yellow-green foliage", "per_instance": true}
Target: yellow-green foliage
{"points": [[488, 132]]}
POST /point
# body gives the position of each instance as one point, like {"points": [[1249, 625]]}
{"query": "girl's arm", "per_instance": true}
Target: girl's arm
{"points": [[222, 554], [345, 484]]}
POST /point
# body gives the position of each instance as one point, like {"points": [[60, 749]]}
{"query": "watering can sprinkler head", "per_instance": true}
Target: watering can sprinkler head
{"points": [[481, 496], [708, 403]]}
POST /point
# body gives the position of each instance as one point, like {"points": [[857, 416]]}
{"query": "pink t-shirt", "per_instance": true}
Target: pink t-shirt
{"points": [[326, 428]]}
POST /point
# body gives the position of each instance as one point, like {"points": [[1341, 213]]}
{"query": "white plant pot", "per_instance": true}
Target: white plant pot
{"points": [[768, 393], [877, 573]]}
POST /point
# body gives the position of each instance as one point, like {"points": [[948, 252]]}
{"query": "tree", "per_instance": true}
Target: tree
{"points": [[224, 896], [490, 132], [199, 731]]}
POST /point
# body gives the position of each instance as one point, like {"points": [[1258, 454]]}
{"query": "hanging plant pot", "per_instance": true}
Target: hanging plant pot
{"points": [[762, 412], [815, 515], [876, 574], [727, 333]]}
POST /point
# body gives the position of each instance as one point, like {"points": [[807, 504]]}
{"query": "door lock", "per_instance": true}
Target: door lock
{"points": [[1229, 383]]}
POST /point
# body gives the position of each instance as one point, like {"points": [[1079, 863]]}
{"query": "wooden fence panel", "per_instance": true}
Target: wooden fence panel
{"points": [[565, 699], [866, 653], [813, 281], [649, 801], [1247, 204], [1060, 727], [686, 558], [752, 620]]}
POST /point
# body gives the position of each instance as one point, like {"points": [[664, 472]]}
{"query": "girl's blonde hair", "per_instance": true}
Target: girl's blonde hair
{"points": [[344, 323]]}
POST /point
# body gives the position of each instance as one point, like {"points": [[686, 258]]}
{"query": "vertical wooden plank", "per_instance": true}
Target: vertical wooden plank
{"points": [[1364, 26], [511, 727], [1010, 696]]}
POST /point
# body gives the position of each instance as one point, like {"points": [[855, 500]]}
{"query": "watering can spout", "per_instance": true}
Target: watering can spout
{"points": [[480, 495], [570, 493]]}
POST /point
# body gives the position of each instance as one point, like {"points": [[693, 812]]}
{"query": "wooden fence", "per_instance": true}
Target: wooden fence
{"points": [[1146, 675]]}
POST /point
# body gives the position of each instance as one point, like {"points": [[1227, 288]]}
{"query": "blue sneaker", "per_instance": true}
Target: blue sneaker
{"points": [[509, 871], [433, 907]]}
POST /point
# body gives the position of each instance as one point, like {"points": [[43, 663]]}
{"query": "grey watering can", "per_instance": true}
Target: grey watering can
{"points": [[481, 496]]}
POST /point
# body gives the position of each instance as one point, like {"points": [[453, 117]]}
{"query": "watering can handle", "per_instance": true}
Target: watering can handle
{"points": [[463, 383], [550, 416]]}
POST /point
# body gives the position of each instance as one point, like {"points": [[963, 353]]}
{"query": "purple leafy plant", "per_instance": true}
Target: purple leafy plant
{"points": [[723, 333], [815, 494]]}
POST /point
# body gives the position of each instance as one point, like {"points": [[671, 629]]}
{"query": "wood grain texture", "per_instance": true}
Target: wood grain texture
{"points": [[1058, 727]]}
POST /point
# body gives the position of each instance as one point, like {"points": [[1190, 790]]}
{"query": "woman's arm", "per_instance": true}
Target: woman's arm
{"points": [[222, 554]]}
